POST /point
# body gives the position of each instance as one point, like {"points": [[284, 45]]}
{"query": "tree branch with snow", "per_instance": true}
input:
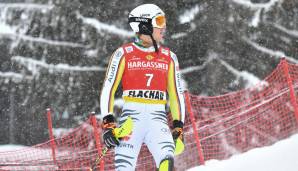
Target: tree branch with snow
{"points": [[28, 6], [256, 6], [14, 36], [250, 79], [34, 66], [276, 54], [106, 27], [293, 33], [15, 76]]}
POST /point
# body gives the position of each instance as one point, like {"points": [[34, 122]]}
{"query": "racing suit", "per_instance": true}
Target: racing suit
{"points": [[149, 80]]}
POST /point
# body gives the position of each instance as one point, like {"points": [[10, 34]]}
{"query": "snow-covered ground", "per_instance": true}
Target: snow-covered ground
{"points": [[282, 156], [10, 147]]}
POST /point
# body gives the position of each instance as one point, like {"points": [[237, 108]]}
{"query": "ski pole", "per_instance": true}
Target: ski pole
{"points": [[99, 158], [124, 130]]}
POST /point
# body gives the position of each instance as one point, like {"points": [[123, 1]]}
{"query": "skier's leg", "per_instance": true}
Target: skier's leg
{"points": [[166, 164], [126, 153], [159, 139]]}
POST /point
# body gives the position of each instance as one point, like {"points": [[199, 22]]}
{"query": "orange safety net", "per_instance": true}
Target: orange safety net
{"points": [[228, 124]]}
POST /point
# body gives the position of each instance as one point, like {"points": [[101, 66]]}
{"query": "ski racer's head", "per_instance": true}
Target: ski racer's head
{"points": [[148, 20]]}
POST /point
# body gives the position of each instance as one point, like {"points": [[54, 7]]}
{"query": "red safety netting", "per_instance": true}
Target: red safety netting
{"points": [[228, 124], [255, 117], [74, 151]]}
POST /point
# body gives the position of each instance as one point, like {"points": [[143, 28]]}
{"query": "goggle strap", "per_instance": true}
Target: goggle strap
{"points": [[139, 19], [154, 43]]}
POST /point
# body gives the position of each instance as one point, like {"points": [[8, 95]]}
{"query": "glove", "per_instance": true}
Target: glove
{"points": [[178, 130], [108, 126], [177, 134]]}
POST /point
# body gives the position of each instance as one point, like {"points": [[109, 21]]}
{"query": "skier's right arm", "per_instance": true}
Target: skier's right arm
{"points": [[110, 85], [111, 82]]}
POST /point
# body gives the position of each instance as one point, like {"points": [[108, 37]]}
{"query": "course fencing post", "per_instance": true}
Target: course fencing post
{"points": [[52, 140], [97, 139], [195, 131], [291, 87]]}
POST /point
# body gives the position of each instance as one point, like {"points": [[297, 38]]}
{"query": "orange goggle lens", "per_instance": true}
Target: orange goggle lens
{"points": [[160, 21]]}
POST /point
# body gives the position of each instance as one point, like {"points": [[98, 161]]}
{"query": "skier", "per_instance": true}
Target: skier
{"points": [[150, 77]]}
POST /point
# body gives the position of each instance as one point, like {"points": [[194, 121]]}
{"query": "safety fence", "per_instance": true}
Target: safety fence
{"points": [[215, 128]]}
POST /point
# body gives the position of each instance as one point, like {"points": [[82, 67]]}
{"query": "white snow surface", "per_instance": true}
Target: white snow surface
{"points": [[281, 156], [10, 147]]}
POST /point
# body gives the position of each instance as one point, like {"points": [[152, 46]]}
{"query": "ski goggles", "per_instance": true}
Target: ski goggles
{"points": [[159, 21]]}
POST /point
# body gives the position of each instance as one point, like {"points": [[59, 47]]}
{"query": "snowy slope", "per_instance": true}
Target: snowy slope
{"points": [[10, 147], [282, 156]]}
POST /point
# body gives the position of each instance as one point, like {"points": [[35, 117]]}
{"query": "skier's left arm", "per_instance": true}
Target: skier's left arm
{"points": [[176, 97]]}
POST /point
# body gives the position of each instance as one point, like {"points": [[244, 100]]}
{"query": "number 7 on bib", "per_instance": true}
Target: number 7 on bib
{"points": [[150, 76]]}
